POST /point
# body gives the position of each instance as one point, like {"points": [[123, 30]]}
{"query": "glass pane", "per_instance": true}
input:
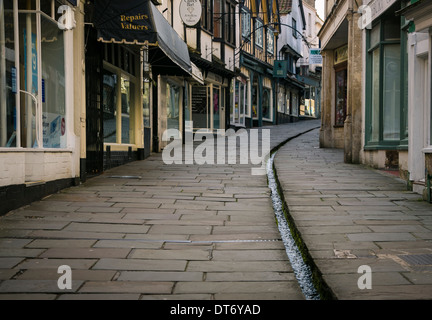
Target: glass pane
{"points": [[247, 107], [47, 6], [216, 105], [341, 97], [242, 103], [217, 18], [391, 102], [109, 106], [173, 107], [199, 106], [126, 104], [375, 107], [27, 4], [288, 99], [294, 104], [392, 29], [53, 85], [146, 104], [259, 33], [234, 109], [375, 35], [28, 78], [8, 73], [266, 104], [280, 105], [255, 101]]}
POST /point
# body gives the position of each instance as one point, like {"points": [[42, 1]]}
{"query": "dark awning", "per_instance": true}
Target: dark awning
{"points": [[140, 22]]}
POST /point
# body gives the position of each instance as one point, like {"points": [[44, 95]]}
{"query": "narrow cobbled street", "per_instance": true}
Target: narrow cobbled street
{"points": [[148, 230]]}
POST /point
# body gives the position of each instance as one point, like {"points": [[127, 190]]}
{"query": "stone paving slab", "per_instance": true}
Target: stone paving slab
{"points": [[371, 220]]}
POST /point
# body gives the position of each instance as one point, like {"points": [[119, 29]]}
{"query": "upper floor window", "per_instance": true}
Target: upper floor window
{"points": [[246, 23], [294, 28], [230, 22], [259, 33], [207, 15], [270, 41], [217, 18]]}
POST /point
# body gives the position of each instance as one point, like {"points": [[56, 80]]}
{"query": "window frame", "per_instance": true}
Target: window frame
{"points": [[270, 35], [207, 15], [381, 143], [246, 23], [259, 27], [38, 13], [294, 28], [269, 92]]}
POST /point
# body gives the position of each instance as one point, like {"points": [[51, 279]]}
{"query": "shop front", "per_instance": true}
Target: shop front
{"points": [[418, 72], [146, 71], [239, 95], [208, 102], [39, 148]]}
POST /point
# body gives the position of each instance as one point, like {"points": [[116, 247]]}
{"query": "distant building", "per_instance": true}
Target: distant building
{"points": [[290, 48], [255, 86], [309, 73]]}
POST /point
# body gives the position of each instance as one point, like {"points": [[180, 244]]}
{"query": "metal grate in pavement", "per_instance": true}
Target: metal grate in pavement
{"points": [[417, 259], [125, 177]]}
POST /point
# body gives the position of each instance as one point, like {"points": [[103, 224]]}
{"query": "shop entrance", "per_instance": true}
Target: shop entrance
{"points": [[206, 107]]}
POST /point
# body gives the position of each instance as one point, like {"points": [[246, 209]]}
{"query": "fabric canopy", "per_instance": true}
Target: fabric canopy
{"points": [[140, 22]]}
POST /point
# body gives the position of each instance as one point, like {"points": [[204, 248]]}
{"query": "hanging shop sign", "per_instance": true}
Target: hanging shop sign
{"points": [[280, 68], [315, 56], [190, 12]]}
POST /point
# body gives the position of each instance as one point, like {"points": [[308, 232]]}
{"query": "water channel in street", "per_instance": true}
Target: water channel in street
{"points": [[301, 269]]}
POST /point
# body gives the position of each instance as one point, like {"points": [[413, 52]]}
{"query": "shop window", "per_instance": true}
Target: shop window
{"points": [[266, 104], [127, 103], [280, 105], [173, 106], [341, 97], [288, 102], [8, 74], [32, 77], [386, 116], [216, 106], [146, 103], [109, 105], [255, 101], [53, 84], [238, 110], [294, 106], [118, 108]]}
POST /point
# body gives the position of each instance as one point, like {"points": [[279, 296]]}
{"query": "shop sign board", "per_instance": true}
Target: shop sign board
{"points": [[190, 12]]}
